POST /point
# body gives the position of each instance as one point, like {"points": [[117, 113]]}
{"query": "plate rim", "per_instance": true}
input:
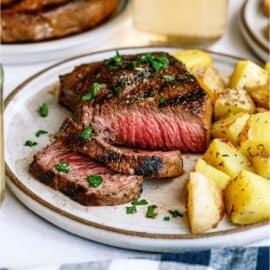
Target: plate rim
{"points": [[246, 26], [15, 180]]}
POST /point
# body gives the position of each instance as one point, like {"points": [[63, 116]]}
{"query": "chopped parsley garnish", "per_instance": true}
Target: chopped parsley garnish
{"points": [[74, 118], [62, 167], [86, 133], [139, 202], [169, 78], [41, 132], [167, 218], [91, 95], [30, 143], [151, 211], [43, 110], [94, 180], [156, 62], [114, 62], [175, 213], [161, 100], [131, 209]]}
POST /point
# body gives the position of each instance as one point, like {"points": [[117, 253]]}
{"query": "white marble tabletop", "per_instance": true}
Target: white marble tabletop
{"points": [[27, 239]]}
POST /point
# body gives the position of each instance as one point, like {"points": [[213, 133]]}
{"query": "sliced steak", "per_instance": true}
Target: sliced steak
{"points": [[51, 23], [146, 101], [114, 189], [151, 164]]}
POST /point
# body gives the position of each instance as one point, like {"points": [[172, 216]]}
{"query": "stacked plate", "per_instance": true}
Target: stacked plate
{"points": [[252, 24]]}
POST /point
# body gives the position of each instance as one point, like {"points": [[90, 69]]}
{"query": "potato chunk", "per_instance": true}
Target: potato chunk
{"points": [[255, 137], [247, 75], [262, 166], [205, 206], [210, 81], [224, 156], [267, 67], [233, 101], [193, 59], [230, 127], [219, 177], [247, 198], [261, 95]]}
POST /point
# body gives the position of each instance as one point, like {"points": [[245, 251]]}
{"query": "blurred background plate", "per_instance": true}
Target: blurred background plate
{"points": [[252, 25], [64, 47]]}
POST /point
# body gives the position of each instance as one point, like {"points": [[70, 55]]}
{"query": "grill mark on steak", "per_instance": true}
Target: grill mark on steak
{"points": [[152, 164], [115, 188]]}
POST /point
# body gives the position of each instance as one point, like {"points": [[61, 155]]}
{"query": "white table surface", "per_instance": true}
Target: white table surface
{"points": [[25, 238]]}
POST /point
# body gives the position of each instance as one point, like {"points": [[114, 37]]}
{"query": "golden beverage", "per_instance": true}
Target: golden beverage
{"points": [[185, 21], [2, 162]]}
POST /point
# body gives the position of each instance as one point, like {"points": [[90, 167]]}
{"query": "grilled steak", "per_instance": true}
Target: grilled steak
{"points": [[114, 189], [31, 6], [18, 24], [152, 164], [147, 101]]}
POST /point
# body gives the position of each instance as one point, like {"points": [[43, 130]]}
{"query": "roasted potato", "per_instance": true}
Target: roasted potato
{"points": [[224, 156], [210, 81], [230, 127], [255, 137], [247, 198], [262, 166], [205, 206], [261, 95], [233, 101], [267, 67], [247, 75], [219, 177], [194, 59], [260, 110]]}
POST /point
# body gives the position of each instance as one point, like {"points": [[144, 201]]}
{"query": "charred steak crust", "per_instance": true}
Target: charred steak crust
{"points": [[32, 6], [152, 164], [19, 24], [115, 188], [141, 107]]}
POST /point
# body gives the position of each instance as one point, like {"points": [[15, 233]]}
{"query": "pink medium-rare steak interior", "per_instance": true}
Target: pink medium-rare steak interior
{"points": [[168, 128], [115, 188]]}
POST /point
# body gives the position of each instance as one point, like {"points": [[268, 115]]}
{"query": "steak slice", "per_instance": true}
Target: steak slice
{"points": [[115, 188], [51, 23], [152, 164], [139, 104]]}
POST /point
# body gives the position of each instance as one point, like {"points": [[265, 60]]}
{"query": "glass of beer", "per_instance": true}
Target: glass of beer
{"points": [[2, 160], [181, 22]]}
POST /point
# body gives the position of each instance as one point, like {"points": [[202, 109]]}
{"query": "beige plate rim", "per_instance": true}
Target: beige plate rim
{"points": [[58, 210], [249, 31]]}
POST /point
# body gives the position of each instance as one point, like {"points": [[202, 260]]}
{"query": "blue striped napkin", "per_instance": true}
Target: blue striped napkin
{"points": [[240, 258]]}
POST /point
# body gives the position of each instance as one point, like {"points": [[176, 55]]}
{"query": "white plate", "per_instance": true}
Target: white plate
{"points": [[63, 47], [252, 24], [110, 225]]}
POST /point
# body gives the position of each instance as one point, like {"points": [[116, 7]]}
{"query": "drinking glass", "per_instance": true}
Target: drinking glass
{"points": [[185, 22]]}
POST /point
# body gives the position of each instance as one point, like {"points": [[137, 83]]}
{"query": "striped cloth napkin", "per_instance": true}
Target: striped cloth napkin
{"points": [[240, 258]]}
